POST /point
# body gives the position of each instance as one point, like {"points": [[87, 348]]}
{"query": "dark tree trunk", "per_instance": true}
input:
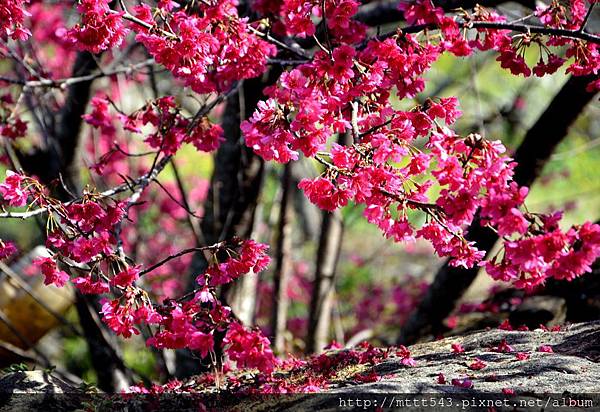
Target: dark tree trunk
{"points": [[230, 206], [533, 153], [58, 159], [112, 374], [57, 163]]}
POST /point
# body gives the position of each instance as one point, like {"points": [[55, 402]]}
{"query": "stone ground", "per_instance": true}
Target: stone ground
{"points": [[571, 368]]}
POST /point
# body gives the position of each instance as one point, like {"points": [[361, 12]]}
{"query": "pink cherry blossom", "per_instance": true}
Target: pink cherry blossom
{"points": [[12, 189]]}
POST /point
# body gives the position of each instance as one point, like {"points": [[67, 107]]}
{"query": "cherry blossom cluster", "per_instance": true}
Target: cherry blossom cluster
{"points": [[314, 374], [100, 27], [12, 16], [81, 236], [209, 49], [193, 323], [14, 191], [471, 172], [347, 90], [80, 232], [7, 249], [512, 48], [110, 148], [528, 261], [52, 274], [295, 17], [172, 128]]}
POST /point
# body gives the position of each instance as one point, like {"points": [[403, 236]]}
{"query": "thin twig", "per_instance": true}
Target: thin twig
{"points": [[66, 82], [196, 229], [181, 253], [587, 17], [271, 39]]}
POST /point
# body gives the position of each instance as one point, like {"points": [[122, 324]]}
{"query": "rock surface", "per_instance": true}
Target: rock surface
{"points": [[538, 376], [571, 368], [38, 391]]}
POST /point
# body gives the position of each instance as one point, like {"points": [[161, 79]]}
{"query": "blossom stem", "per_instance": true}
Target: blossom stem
{"points": [[181, 253], [587, 17]]}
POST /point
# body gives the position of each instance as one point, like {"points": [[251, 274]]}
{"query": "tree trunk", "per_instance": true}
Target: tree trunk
{"points": [[323, 294], [111, 372], [283, 261], [533, 153]]}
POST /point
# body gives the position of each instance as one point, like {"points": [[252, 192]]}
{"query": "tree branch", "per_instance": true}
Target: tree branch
{"points": [[380, 13], [519, 28]]}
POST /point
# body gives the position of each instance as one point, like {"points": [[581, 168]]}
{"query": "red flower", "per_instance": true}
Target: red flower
{"points": [[126, 277], [324, 194], [522, 356], [50, 271], [87, 286], [201, 342], [100, 28], [12, 16], [463, 383], [12, 190], [503, 347], [7, 249], [505, 325], [457, 348], [477, 364], [119, 316], [249, 349]]}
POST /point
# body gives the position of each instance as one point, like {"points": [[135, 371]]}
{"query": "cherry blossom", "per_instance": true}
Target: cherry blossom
{"points": [[477, 364], [7, 249], [12, 189], [100, 28], [51, 273], [12, 16], [249, 349]]}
